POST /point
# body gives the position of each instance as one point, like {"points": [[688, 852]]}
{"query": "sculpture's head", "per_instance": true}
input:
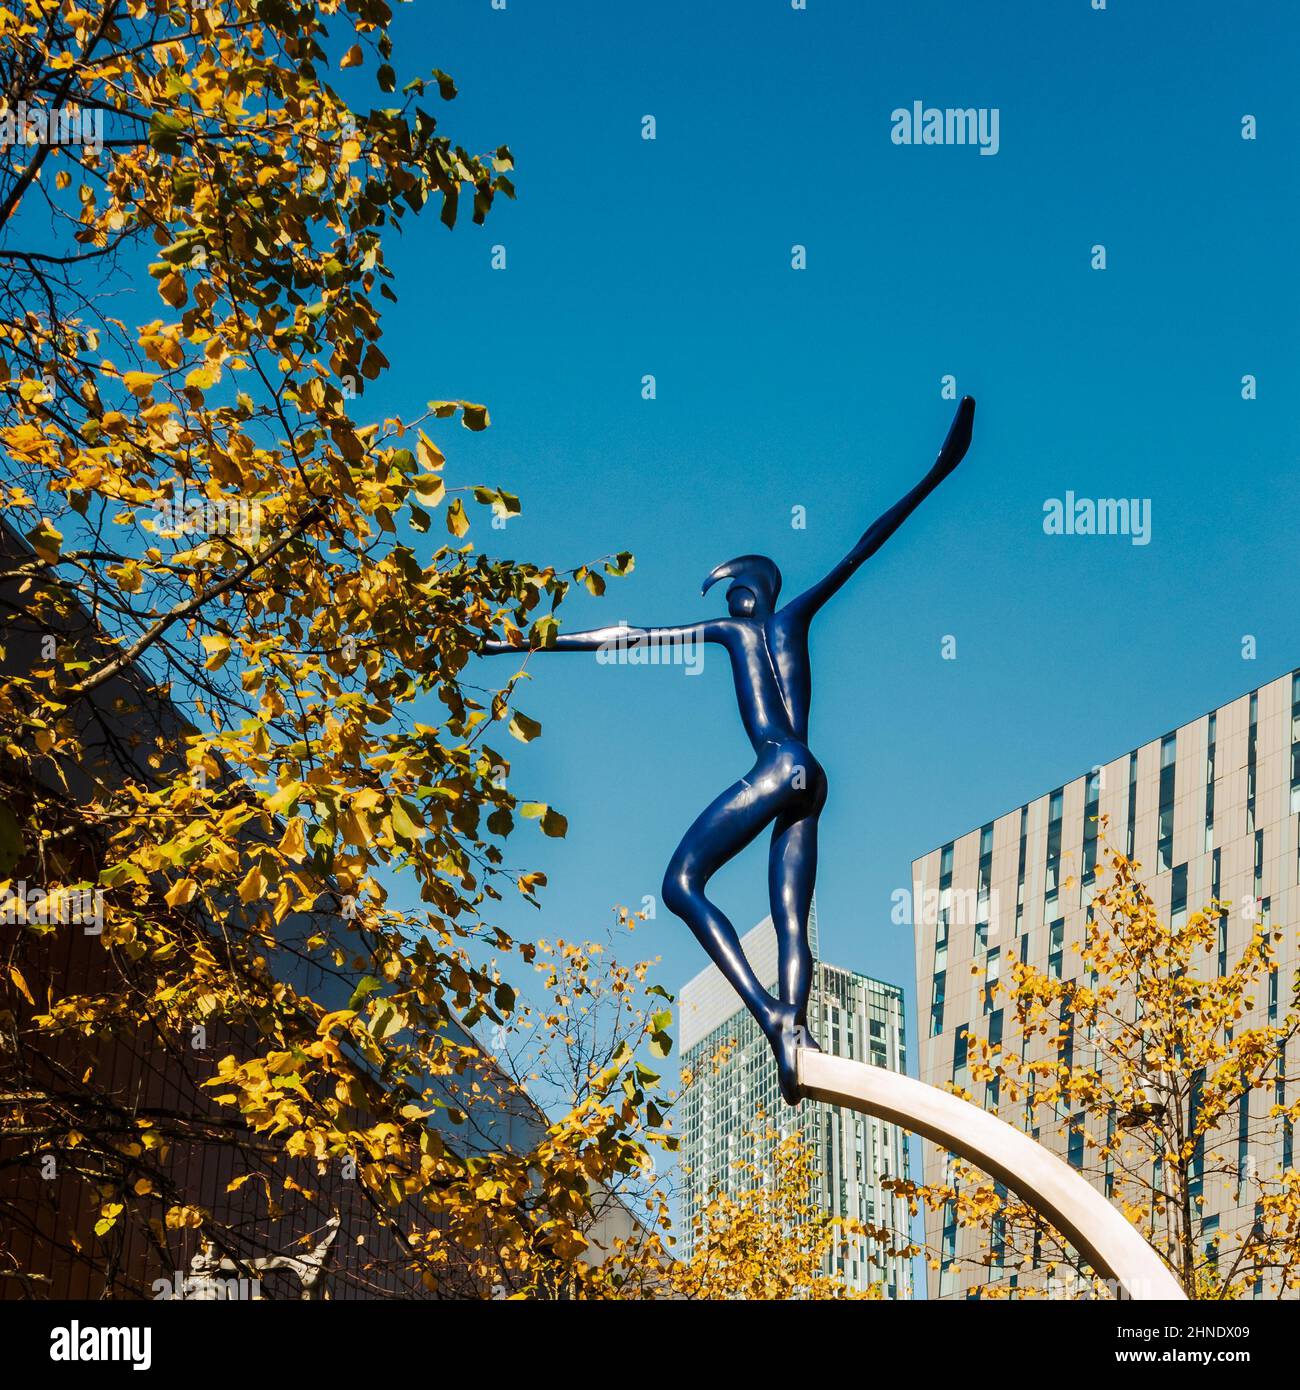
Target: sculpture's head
{"points": [[756, 583]]}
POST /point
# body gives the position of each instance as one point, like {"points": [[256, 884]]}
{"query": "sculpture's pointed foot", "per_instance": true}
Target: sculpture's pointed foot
{"points": [[787, 1040]]}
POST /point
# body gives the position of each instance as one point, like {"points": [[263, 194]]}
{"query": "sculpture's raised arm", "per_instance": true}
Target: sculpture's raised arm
{"points": [[880, 530], [610, 638]]}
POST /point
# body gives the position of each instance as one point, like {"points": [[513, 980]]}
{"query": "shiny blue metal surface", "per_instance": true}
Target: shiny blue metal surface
{"points": [[786, 787]]}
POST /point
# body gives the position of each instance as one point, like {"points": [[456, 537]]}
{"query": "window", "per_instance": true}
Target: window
{"points": [[1165, 831], [960, 1050], [1020, 871], [1091, 810], [1178, 898], [1075, 1150], [993, 1087], [992, 968], [936, 1007], [1215, 887], [1055, 947], [1295, 742], [941, 938], [1244, 1164], [983, 891], [1252, 744], [1211, 736], [1110, 1156], [1132, 803], [998, 1234], [1054, 813], [1210, 1230], [1196, 1176], [948, 1251], [945, 898]]}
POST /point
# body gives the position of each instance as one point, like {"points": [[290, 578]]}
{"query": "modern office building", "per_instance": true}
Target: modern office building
{"points": [[1211, 811], [852, 1015]]}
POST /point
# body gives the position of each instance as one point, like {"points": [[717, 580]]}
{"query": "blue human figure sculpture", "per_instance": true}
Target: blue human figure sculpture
{"points": [[786, 787]]}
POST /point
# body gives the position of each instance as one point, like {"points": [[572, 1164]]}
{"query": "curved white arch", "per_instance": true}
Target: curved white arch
{"points": [[1111, 1245]]}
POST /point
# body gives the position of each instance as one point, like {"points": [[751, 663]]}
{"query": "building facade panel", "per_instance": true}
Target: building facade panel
{"points": [[1210, 809]]}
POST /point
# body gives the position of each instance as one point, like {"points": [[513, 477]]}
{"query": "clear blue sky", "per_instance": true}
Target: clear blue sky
{"points": [[821, 388]]}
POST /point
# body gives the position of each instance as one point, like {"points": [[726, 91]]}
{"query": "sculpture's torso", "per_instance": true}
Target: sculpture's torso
{"points": [[769, 662]]}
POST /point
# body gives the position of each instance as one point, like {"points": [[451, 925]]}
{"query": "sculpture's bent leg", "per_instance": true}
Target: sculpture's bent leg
{"points": [[718, 834], [1111, 1245]]}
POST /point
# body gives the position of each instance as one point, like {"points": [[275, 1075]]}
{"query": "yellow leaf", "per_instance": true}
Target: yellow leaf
{"points": [[429, 454], [293, 843], [178, 1218], [181, 892], [218, 649], [352, 58], [45, 540], [109, 1213], [129, 576], [17, 976], [172, 288], [253, 885], [523, 728], [284, 797], [430, 490], [354, 826], [457, 522]]}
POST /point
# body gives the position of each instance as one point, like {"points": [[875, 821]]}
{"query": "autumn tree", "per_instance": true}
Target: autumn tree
{"points": [[771, 1239], [588, 1041], [239, 612], [1163, 1068]]}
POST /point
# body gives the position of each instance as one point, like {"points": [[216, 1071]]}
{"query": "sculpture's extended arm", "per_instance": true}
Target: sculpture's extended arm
{"points": [[880, 530], [611, 638]]}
